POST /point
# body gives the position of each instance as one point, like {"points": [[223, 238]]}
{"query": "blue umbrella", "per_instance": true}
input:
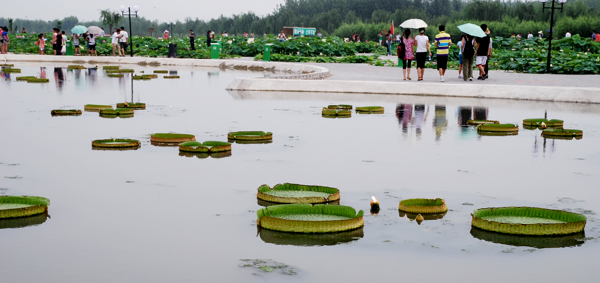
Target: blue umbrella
{"points": [[79, 30], [472, 29]]}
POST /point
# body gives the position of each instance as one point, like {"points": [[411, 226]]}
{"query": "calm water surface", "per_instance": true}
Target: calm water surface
{"points": [[151, 215]]}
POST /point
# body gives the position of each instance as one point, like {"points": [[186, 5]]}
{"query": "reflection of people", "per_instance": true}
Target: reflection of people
{"points": [[464, 115], [42, 72], [59, 77], [419, 120], [404, 114], [480, 113], [439, 122]]}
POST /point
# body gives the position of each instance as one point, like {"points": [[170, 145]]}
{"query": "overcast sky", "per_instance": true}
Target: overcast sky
{"points": [[163, 10]]}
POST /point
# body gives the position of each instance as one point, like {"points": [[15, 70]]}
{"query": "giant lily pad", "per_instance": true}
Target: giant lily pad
{"points": [[25, 78], [204, 155], [295, 239], [250, 136], [138, 105], [19, 206], [423, 205], [295, 193], [171, 138], [563, 133], [117, 112], [340, 106], [116, 143], [171, 77], [62, 112], [481, 122], [115, 75], [96, 107], [38, 81], [110, 67], [161, 71], [370, 110], [306, 218], [328, 112], [563, 241], [11, 70], [205, 147], [537, 122], [498, 128], [528, 221], [426, 216]]}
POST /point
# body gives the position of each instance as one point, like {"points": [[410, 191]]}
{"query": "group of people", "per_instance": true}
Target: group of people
{"points": [[119, 40], [471, 49]]}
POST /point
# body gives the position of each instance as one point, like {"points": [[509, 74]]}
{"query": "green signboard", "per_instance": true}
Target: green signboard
{"points": [[305, 31]]}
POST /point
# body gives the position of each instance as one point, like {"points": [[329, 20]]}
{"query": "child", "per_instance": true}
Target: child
{"points": [[42, 43]]}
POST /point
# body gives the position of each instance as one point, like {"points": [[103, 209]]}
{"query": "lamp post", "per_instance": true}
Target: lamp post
{"points": [[551, 7], [129, 14], [171, 30]]}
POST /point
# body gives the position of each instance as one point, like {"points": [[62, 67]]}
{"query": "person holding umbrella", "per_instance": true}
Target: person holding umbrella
{"points": [[467, 47]]}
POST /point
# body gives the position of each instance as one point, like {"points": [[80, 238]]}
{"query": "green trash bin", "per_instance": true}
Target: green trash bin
{"points": [[215, 50], [268, 48], [69, 51]]}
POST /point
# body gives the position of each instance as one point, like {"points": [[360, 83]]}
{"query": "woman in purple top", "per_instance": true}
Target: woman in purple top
{"points": [[409, 55]]}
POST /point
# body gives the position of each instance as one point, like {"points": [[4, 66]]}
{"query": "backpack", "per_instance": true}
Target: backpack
{"points": [[469, 49], [401, 50]]}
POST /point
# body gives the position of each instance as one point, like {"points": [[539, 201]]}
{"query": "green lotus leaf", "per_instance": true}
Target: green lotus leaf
{"points": [[11, 70], [250, 135], [480, 122], [306, 218], [96, 107], [110, 67], [76, 67], [498, 128], [115, 75], [370, 109], [25, 78], [537, 122], [19, 206], [63, 112], [340, 106], [161, 71], [138, 105], [116, 143], [562, 133], [528, 221], [38, 81], [422, 205], [295, 193], [171, 77]]}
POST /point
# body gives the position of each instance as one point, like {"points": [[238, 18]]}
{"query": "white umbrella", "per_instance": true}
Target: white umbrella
{"points": [[95, 30], [414, 24]]}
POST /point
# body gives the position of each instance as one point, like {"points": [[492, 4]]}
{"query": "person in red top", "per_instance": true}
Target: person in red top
{"points": [[409, 55]]}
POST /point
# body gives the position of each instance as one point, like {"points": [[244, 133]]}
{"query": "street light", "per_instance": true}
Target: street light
{"points": [[171, 30], [551, 8], [129, 13]]}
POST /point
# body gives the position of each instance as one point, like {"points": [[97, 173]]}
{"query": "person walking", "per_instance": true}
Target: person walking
{"points": [[482, 52], [41, 43], [192, 38], [209, 37], [123, 41], [92, 47], [409, 54], [56, 41], [489, 57], [468, 51], [116, 36], [460, 56], [389, 40], [423, 47], [75, 38], [443, 41]]}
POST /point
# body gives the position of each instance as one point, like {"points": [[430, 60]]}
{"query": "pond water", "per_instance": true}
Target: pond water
{"points": [[155, 215]]}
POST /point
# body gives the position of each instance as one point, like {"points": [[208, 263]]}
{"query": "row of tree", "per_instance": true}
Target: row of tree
{"points": [[328, 16]]}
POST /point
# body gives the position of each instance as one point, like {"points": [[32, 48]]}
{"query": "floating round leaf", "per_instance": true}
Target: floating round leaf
{"points": [[19, 206], [7, 65], [306, 218], [250, 136], [118, 112], [426, 216], [563, 241], [161, 71], [370, 109], [481, 122], [537, 122], [562, 133], [217, 146], [328, 112], [116, 143], [341, 106], [10, 70], [171, 138], [126, 71], [115, 75], [149, 76], [528, 221], [96, 107], [193, 146], [38, 81], [61, 112], [25, 78], [423, 205], [498, 128], [171, 77], [110, 67], [295, 193], [294, 239], [137, 105]]}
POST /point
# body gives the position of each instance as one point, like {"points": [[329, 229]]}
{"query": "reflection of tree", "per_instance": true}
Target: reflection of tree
{"points": [[439, 121]]}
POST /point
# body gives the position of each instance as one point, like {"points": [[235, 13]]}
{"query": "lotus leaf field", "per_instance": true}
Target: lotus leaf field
{"points": [[575, 55]]}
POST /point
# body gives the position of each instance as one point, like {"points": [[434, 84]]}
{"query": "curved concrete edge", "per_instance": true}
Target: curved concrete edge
{"points": [[295, 71], [516, 92]]}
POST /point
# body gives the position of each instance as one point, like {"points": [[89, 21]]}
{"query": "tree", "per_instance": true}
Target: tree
{"points": [[59, 25], [110, 18], [10, 25]]}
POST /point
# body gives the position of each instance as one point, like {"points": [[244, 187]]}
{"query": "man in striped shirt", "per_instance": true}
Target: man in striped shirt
{"points": [[442, 42]]}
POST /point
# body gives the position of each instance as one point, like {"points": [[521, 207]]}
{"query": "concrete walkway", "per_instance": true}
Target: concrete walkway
{"points": [[362, 78]]}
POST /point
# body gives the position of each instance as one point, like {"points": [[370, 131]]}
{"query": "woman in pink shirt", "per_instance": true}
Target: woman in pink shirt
{"points": [[409, 54], [166, 36]]}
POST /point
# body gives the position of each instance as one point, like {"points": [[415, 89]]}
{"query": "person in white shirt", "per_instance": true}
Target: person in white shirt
{"points": [[92, 42], [423, 46], [568, 34], [529, 35], [123, 41], [116, 36], [281, 36]]}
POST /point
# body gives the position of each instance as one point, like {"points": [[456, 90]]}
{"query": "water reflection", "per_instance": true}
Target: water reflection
{"points": [[540, 242], [409, 118], [249, 142], [59, 78], [21, 222], [307, 240], [202, 155], [426, 216], [440, 124]]}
